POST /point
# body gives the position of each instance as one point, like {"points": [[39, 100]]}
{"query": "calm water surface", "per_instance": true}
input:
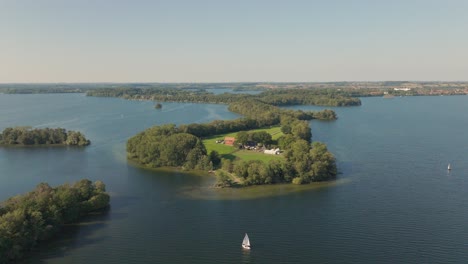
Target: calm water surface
{"points": [[394, 201]]}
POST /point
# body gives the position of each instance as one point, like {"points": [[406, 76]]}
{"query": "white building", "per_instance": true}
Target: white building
{"points": [[402, 89], [272, 151]]}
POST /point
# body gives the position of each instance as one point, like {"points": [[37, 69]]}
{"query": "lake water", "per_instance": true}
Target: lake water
{"points": [[393, 202]]}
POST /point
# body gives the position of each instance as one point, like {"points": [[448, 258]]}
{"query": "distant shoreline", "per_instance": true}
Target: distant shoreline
{"points": [[354, 88]]}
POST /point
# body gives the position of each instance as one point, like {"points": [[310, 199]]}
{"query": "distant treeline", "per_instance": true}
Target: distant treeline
{"points": [[340, 89], [25, 136], [257, 115], [326, 97], [32, 218], [271, 115], [280, 97]]}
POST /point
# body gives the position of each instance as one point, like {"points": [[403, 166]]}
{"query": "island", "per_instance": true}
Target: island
{"points": [[35, 217], [268, 145], [27, 136]]}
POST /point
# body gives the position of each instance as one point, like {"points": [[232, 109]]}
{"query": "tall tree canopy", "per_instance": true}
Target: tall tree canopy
{"points": [[28, 219]]}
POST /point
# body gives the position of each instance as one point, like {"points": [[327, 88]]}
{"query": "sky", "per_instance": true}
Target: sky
{"points": [[53, 41]]}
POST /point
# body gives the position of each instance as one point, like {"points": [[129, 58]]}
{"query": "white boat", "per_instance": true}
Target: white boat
{"points": [[449, 167], [246, 242]]}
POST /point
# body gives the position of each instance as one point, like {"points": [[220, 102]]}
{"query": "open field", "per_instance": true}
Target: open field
{"points": [[254, 155], [231, 152]]}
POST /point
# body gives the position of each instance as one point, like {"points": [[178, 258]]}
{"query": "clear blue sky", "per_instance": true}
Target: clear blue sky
{"points": [[225, 41]]}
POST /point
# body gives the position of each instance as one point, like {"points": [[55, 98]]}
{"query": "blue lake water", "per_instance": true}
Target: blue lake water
{"points": [[394, 200]]}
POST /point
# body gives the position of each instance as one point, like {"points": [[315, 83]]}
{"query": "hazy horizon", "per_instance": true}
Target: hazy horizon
{"points": [[210, 41], [227, 82]]}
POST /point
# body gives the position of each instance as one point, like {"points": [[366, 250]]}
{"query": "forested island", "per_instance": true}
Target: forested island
{"points": [[33, 218], [27, 136], [300, 162]]}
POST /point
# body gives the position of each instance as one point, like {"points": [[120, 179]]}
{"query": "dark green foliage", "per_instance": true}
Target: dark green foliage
{"points": [[227, 165], [215, 158], [262, 137], [301, 130], [46, 136], [167, 146], [308, 97], [28, 219], [277, 97], [219, 127], [223, 179], [325, 114]]}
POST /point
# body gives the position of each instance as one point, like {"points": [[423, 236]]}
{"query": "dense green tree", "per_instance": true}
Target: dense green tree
{"points": [[28, 219], [45, 136], [261, 137], [215, 158], [301, 130], [324, 167], [285, 141], [227, 165], [167, 146], [223, 179], [242, 137]]}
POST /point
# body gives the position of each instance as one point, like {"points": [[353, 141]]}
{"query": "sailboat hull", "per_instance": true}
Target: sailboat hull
{"points": [[245, 246]]}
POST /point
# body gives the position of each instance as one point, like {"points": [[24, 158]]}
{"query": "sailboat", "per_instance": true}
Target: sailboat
{"points": [[449, 167], [246, 242]]}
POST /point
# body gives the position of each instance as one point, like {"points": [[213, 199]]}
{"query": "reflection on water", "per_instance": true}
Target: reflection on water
{"points": [[246, 256], [254, 192], [72, 237]]}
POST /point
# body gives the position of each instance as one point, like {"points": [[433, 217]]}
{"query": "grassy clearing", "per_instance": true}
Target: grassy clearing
{"points": [[222, 149], [230, 152], [254, 155]]}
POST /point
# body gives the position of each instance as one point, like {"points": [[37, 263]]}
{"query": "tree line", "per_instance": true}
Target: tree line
{"points": [[42, 136], [326, 97], [257, 115], [29, 219], [330, 93], [167, 145], [279, 97]]}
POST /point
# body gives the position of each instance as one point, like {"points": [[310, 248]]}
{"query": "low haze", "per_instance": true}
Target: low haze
{"points": [[232, 41]]}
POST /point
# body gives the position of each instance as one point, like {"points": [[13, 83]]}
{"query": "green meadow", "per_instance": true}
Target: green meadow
{"points": [[232, 152]]}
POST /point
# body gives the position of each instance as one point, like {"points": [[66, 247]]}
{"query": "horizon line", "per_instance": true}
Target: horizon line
{"points": [[227, 82]]}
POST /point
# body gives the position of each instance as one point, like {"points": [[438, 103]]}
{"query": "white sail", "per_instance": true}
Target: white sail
{"points": [[246, 242], [448, 167]]}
